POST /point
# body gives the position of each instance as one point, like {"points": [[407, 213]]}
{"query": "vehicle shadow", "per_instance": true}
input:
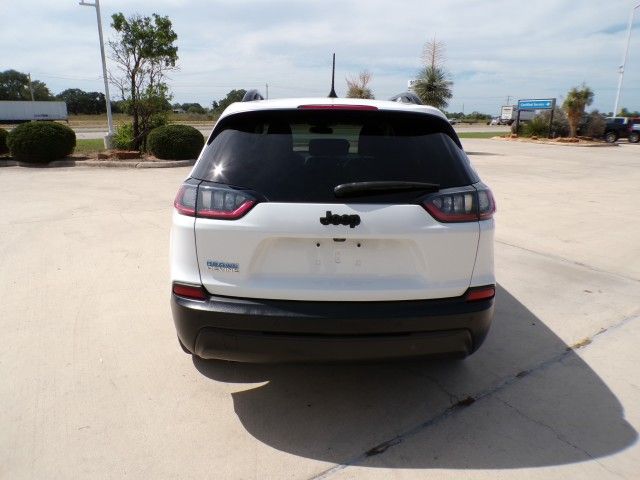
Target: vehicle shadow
{"points": [[336, 413]]}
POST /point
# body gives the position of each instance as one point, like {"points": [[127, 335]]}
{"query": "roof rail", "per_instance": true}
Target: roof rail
{"points": [[252, 95], [406, 97]]}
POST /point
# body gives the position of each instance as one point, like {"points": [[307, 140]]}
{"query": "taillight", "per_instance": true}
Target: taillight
{"points": [[486, 204], [476, 294], [219, 202], [195, 292], [185, 201], [466, 205], [213, 201]]}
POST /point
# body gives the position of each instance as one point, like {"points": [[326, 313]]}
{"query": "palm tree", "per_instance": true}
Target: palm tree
{"points": [[359, 87], [433, 85], [577, 99]]}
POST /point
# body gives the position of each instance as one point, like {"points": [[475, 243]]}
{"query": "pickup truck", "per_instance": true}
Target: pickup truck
{"points": [[622, 127]]}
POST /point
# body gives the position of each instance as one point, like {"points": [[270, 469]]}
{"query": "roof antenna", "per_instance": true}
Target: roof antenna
{"points": [[333, 94]]}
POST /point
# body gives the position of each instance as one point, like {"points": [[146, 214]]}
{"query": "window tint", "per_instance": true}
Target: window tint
{"points": [[301, 155]]}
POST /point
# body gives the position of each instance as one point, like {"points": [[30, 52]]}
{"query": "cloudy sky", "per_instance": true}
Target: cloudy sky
{"points": [[494, 49]]}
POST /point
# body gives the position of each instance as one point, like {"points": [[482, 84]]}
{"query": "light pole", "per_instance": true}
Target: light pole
{"points": [[624, 59], [109, 136]]}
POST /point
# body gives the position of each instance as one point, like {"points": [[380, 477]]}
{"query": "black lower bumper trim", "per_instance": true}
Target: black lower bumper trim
{"points": [[237, 345], [255, 330]]}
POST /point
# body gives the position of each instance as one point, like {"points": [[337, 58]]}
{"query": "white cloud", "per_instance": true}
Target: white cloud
{"points": [[494, 49]]}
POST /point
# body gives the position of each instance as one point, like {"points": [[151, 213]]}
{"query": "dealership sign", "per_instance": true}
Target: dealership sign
{"points": [[537, 104]]}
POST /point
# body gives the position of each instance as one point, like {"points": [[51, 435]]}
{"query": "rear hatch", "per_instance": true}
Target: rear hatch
{"points": [[274, 226]]}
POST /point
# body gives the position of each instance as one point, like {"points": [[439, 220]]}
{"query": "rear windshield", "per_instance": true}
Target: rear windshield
{"points": [[302, 155]]}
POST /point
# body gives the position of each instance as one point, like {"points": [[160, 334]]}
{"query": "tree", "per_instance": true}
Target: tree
{"points": [[14, 85], [433, 85], [358, 87], [40, 91], [143, 51], [626, 113], [574, 104], [232, 96], [81, 102], [193, 108]]}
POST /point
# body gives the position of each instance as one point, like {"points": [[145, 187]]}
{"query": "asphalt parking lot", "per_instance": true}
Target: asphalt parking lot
{"points": [[94, 384]]}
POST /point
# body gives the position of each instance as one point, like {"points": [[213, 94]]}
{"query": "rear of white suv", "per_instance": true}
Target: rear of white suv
{"points": [[332, 230]]}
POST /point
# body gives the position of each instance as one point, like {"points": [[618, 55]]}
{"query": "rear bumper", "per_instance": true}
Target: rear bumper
{"points": [[255, 330]]}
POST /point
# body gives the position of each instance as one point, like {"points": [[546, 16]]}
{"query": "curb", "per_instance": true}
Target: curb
{"points": [[562, 144], [101, 164]]}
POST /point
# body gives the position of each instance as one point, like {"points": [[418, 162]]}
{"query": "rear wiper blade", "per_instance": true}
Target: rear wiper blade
{"points": [[373, 188]]}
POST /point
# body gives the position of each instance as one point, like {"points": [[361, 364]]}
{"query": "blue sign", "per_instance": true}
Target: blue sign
{"points": [[536, 104]]}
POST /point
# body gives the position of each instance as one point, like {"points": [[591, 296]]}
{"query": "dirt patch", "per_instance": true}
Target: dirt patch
{"points": [[115, 155]]}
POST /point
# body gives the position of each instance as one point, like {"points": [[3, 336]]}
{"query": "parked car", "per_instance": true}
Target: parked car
{"points": [[634, 130], [622, 127], [332, 229]]}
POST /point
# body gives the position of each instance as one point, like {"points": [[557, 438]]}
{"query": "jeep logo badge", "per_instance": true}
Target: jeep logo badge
{"points": [[335, 219]]}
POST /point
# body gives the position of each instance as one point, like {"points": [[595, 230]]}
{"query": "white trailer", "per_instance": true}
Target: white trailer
{"points": [[509, 113], [25, 111]]}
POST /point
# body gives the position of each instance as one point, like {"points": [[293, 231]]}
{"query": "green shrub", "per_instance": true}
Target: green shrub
{"points": [[156, 120], [123, 138], [41, 142], [175, 142], [595, 125], [3, 141], [560, 125], [537, 127]]}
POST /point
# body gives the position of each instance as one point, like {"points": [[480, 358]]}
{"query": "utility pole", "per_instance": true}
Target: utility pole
{"points": [[624, 59], [508, 98], [267, 87], [31, 88], [109, 136]]}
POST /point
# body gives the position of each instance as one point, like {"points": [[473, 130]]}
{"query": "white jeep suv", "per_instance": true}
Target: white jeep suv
{"points": [[332, 229]]}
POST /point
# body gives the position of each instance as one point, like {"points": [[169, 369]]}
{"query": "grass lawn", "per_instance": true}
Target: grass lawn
{"points": [[89, 146], [97, 144], [480, 134], [120, 118]]}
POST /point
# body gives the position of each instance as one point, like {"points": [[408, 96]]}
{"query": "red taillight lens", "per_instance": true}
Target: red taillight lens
{"points": [[480, 293], [213, 201], [195, 292], [461, 206]]}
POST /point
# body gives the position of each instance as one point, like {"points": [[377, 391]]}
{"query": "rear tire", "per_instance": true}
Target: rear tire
{"points": [[610, 137], [634, 137]]}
